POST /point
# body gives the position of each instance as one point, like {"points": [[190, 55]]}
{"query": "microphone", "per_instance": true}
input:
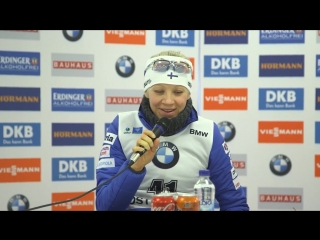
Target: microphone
{"points": [[161, 126]]}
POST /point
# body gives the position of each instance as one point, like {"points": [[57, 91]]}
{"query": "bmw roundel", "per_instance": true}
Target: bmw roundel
{"points": [[125, 66], [280, 165], [18, 202], [167, 155], [72, 35], [227, 130]]}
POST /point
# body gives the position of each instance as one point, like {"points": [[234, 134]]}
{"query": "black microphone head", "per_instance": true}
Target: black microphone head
{"points": [[164, 123]]}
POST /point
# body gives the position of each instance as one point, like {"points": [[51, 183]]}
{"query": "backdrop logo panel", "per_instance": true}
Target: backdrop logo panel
{"points": [[318, 36], [125, 66], [85, 203], [191, 59], [280, 165], [317, 165], [317, 132], [280, 132], [19, 134], [70, 99], [20, 63], [20, 170], [119, 100], [18, 202], [20, 34], [226, 37], [19, 99], [72, 169], [239, 162], [72, 65], [175, 38], [317, 65], [72, 35], [72, 134], [281, 98], [225, 66], [280, 198], [125, 37], [282, 36], [225, 98], [227, 130], [281, 65], [317, 98]]}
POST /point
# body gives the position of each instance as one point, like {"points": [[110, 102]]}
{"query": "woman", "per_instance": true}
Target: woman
{"points": [[172, 161]]}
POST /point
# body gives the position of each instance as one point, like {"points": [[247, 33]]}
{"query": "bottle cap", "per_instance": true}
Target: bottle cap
{"points": [[204, 173]]}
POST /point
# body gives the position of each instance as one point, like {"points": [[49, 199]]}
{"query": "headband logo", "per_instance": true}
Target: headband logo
{"points": [[146, 83]]}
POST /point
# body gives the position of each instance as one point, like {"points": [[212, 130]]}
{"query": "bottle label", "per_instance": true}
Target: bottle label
{"points": [[206, 197]]}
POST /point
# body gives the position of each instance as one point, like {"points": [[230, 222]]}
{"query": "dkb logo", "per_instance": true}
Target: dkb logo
{"points": [[71, 169], [175, 37]]}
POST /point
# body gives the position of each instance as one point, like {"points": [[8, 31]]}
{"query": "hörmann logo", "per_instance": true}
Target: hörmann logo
{"points": [[20, 170], [175, 38], [19, 63], [317, 98], [317, 65], [72, 169], [225, 98], [280, 132], [19, 134], [281, 65], [282, 36], [226, 37], [125, 37], [281, 98], [19, 99], [72, 134]]}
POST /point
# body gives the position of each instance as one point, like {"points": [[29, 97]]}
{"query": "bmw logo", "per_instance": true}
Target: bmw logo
{"points": [[227, 130], [72, 35], [125, 66], [280, 165], [167, 155], [18, 203]]}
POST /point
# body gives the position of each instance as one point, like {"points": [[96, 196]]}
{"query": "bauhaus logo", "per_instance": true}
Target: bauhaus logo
{"points": [[137, 37], [225, 99], [175, 38], [281, 98], [280, 198], [20, 170], [280, 132], [72, 169], [19, 63], [85, 203], [282, 36], [69, 99], [225, 66], [72, 134], [72, 65], [317, 165], [239, 162], [281, 65], [20, 34], [19, 99], [226, 37], [118, 100], [19, 134]]}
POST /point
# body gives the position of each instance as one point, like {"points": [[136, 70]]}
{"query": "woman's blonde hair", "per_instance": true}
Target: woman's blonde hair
{"points": [[170, 53]]}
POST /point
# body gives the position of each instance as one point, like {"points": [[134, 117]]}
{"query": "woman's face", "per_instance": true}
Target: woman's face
{"points": [[167, 100]]}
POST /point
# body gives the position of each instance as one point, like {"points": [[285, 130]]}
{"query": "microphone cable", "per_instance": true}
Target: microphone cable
{"points": [[80, 196]]}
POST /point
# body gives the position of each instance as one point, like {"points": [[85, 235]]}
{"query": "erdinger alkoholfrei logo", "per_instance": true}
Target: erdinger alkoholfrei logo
{"points": [[167, 155], [280, 165], [125, 66], [72, 35], [227, 130], [18, 202]]}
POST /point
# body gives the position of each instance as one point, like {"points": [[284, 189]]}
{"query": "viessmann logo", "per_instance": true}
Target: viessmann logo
{"points": [[125, 37], [117, 100], [280, 132], [20, 170], [19, 99], [72, 65], [317, 165], [72, 134], [281, 65], [226, 37], [85, 203], [225, 98], [191, 59]]}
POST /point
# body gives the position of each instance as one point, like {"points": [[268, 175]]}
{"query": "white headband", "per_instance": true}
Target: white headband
{"points": [[169, 77]]}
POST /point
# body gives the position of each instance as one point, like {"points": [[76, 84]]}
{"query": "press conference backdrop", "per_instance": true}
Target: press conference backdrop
{"points": [[261, 87]]}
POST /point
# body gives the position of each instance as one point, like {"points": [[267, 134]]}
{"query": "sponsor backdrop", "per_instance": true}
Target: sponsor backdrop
{"points": [[59, 91]]}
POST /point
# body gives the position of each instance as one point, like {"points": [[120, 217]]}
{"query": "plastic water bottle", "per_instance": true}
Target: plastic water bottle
{"points": [[205, 191]]}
